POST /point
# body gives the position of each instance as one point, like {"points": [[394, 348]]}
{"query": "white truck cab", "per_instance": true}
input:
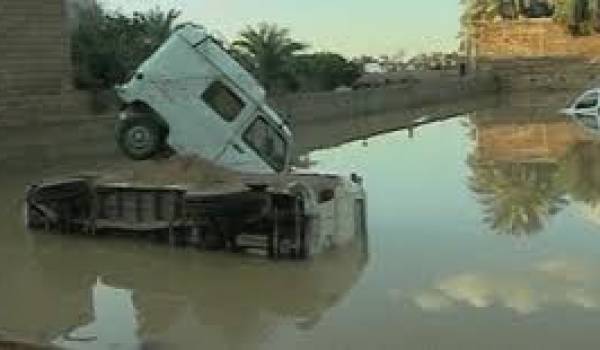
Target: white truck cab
{"points": [[194, 98], [585, 109]]}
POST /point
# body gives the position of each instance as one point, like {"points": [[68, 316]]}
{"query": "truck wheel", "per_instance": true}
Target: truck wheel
{"points": [[33, 219], [139, 138], [305, 251]]}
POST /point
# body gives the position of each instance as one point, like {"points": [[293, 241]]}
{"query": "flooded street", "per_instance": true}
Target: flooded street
{"points": [[483, 234]]}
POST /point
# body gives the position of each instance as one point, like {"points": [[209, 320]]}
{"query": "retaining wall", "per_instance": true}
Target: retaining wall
{"points": [[57, 139], [531, 38], [533, 54], [343, 105]]}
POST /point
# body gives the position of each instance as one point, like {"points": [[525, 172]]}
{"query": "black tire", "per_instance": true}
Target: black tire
{"points": [[140, 138], [33, 219], [305, 251]]}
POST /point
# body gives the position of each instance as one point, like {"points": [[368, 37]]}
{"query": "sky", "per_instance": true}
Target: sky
{"points": [[349, 27]]}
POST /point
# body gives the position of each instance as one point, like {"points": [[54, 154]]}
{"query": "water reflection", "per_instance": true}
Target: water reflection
{"points": [[114, 323], [580, 172], [81, 293], [517, 198], [525, 170], [543, 284], [322, 134]]}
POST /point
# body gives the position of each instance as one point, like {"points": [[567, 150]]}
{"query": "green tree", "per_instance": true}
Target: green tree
{"points": [[268, 50], [582, 17], [479, 10], [517, 198], [580, 172], [324, 71], [107, 46]]}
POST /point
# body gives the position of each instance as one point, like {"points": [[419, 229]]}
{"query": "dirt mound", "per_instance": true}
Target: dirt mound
{"points": [[191, 172]]}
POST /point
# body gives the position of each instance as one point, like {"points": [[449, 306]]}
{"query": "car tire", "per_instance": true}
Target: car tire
{"points": [[139, 138]]}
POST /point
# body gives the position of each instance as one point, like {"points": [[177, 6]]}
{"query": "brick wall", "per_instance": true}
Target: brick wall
{"points": [[34, 59], [536, 54]]}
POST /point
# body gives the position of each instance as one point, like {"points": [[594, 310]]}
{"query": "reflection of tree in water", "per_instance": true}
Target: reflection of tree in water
{"points": [[517, 197], [580, 172]]}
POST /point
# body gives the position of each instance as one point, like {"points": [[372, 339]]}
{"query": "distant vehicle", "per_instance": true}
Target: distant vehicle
{"points": [[192, 97], [585, 109]]}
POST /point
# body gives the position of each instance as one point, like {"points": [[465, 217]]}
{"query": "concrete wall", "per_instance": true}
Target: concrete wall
{"points": [[425, 96], [353, 114], [535, 54], [34, 60]]}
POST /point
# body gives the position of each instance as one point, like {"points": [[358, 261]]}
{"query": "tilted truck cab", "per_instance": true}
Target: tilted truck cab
{"points": [[194, 98]]}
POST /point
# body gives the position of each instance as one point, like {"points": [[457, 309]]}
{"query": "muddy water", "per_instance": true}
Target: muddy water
{"points": [[484, 234]]}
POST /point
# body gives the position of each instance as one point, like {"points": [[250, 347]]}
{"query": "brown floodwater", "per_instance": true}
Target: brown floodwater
{"points": [[484, 233]]}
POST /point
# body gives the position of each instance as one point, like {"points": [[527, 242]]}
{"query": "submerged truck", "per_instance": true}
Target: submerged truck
{"points": [[193, 98], [293, 216]]}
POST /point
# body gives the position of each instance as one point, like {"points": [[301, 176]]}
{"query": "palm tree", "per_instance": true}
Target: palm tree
{"points": [[517, 197], [269, 49], [478, 10], [582, 17], [580, 172]]}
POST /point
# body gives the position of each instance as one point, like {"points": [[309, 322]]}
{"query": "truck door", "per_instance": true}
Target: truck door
{"points": [[260, 147], [208, 121]]}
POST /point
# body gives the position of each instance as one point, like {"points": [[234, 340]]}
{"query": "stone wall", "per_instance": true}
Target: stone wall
{"points": [[34, 60], [532, 38], [536, 54], [542, 73]]}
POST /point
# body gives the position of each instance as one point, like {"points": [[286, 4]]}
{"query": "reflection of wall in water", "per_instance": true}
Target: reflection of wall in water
{"points": [[38, 307], [322, 134], [517, 168], [525, 139]]}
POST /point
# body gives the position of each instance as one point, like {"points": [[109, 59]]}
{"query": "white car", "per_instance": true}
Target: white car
{"points": [[585, 109], [194, 98]]}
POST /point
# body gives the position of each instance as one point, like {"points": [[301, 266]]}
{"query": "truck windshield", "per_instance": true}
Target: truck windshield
{"points": [[267, 142]]}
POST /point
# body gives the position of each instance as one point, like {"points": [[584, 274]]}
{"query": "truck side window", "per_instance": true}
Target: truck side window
{"points": [[590, 100], [223, 101], [267, 142]]}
